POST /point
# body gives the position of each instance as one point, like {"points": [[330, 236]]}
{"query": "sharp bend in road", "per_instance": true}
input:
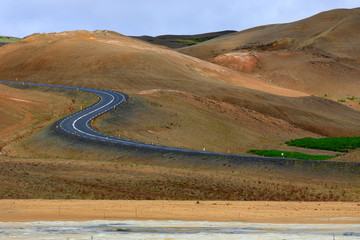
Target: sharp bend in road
{"points": [[79, 123]]}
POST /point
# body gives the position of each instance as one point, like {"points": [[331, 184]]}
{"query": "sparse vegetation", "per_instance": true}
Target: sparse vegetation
{"points": [[340, 144], [352, 98], [155, 104], [293, 155], [123, 179]]}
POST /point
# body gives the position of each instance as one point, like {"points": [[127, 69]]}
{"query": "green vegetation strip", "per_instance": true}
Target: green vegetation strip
{"points": [[9, 39], [293, 155], [341, 144]]}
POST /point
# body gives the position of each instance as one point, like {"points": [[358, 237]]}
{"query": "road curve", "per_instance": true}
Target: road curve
{"points": [[78, 124]]}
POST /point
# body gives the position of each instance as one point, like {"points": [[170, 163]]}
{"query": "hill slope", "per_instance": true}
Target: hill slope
{"points": [[112, 61], [6, 40], [178, 41], [24, 111], [318, 55]]}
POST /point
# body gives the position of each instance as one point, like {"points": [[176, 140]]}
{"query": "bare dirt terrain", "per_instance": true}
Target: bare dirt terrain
{"points": [[261, 96], [110, 60], [217, 211], [318, 55], [113, 61], [24, 113]]}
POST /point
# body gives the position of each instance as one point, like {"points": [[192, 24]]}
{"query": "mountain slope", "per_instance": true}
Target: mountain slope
{"points": [[178, 41], [6, 40], [318, 55], [112, 61]]}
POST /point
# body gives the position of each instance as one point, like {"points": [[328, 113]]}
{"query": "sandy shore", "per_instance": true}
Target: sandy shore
{"points": [[219, 211]]}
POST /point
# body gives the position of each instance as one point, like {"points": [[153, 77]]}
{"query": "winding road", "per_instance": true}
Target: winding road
{"points": [[79, 125]]}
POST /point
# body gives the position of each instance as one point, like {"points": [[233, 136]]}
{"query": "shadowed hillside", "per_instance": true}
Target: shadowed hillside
{"points": [[178, 41], [318, 55]]}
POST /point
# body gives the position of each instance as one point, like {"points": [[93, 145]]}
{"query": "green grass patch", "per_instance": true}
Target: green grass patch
{"points": [[341, 100], [352, 98], [341, 144], [294, 155], [9, 39]]}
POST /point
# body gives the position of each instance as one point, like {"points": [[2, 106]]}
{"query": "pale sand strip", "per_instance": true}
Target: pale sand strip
{"points": [[218, 211]]}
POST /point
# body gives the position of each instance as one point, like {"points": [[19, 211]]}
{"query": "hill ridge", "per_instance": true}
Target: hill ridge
{"points": [[318, 55]]}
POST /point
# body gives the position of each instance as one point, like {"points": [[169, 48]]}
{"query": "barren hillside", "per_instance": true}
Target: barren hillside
{"points": [[318, 55], [232, 100], [111, 60], [24, 112]]}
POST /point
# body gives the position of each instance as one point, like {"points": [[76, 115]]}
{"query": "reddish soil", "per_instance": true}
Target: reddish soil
{"points": [[24, 112], [246, 62]]}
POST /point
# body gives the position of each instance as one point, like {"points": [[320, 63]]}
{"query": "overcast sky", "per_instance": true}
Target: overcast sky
{"points": [[154, 17]]}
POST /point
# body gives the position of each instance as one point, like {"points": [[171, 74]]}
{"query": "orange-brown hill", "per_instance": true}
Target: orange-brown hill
{"points": [[110, 60], [318, 55]]}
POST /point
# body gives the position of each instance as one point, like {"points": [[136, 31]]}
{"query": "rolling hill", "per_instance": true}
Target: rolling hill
{"points": [[182, 101], [220, 100], [318, 55]]}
